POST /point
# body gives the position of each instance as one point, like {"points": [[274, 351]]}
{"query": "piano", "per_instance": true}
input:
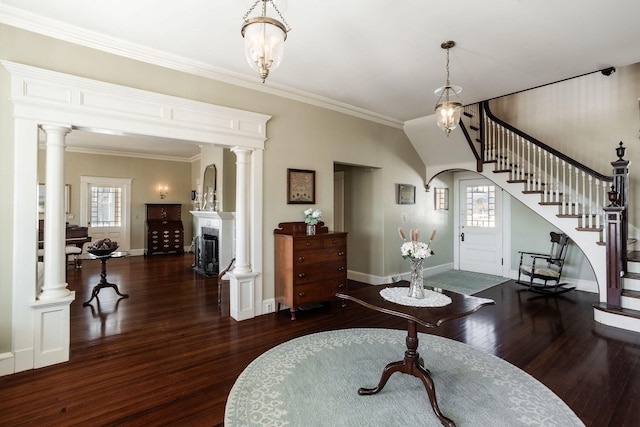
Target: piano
{"points": [[75, 235]]}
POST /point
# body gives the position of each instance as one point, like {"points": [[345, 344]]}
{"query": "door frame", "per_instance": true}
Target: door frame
{"points": [[85, 204], [506, 220]]}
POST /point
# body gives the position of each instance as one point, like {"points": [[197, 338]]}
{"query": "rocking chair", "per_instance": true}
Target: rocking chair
{"points": [[545, 270]]}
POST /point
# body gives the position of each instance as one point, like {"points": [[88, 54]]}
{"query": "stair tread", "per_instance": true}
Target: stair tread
{"points": [[603, 306], [589, 228], [633, 256], [630, 294], [635, 276]]}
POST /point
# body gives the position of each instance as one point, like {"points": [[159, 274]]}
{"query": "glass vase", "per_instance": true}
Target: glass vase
{"points": [[416, 285], [311, 229]]}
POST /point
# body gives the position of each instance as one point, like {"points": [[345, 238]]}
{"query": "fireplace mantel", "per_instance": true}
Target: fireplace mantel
{"points": [[224, 222]]}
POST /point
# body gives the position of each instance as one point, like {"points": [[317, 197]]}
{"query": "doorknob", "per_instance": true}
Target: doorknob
{"points": [[462, 236]]}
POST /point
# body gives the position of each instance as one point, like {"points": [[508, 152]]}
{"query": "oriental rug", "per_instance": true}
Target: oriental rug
{"points": [[313, 381]]}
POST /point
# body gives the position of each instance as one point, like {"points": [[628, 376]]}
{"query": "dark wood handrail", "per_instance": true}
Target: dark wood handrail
{"points": [[578, 165], [477, 155]]}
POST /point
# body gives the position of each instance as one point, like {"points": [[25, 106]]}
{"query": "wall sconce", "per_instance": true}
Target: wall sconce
{"points": [[162, 190]]}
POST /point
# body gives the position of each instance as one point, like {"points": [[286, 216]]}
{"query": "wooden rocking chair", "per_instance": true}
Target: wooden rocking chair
{"points": [[544, 271]]}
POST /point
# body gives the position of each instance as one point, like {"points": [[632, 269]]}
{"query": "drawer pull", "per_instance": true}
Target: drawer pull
{"points": [[300, 258], [333, 241], [341, 285], [341, 253], [302, 275], [301, 294], [307, 243], [341, 268]]}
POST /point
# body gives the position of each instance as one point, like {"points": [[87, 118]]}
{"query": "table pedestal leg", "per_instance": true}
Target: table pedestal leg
{"points": [[103, 284], [411, 365]]}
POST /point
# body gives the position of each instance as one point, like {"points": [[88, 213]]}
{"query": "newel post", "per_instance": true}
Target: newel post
{"points": [[614, 218], [621, 185], [616, 231]]}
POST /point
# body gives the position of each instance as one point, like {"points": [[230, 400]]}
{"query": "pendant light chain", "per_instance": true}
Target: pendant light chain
{"points": [[264, 12]]}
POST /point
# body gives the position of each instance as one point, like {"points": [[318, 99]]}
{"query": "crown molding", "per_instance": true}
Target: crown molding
{"points": [[31, 22]]}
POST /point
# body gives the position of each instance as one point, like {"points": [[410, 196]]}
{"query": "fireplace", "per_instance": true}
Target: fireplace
{"points": [[207, 252], [214, 241]]}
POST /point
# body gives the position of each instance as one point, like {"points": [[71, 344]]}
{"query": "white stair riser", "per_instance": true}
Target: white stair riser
{"points": [[633, 267], [631, 303], [618, 321], [631, 284]]}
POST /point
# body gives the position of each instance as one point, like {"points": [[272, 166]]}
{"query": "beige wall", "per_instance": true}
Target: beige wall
{"points": [[299, 136], [584, 118], [146, 175]]}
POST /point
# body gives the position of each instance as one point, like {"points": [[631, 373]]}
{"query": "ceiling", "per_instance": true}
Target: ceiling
{"points": [[378, 59]]}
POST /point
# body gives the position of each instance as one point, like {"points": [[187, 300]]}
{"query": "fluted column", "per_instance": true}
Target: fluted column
{"points": [[242, 218], [54, 286]]}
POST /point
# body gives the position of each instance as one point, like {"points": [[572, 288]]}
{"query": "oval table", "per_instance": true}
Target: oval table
{"points": [[431, 317]]}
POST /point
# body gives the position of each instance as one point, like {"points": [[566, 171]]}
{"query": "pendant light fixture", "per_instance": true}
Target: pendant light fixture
{"points": [[448, 111], [264, 39]]}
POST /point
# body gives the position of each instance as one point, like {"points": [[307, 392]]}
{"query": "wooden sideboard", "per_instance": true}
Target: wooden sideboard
{"points": [[309, 269], [165, 232]]}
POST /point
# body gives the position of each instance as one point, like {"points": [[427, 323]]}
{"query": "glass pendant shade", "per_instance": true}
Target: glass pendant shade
{"points": [[448, 115], [264, 44]]}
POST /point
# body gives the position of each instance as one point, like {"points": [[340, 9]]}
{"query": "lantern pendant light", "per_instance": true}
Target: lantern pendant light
{"points": [[264, 39], [448, 111]]}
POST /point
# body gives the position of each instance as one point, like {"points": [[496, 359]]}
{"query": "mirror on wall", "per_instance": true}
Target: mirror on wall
{"points": [[209, 200]]}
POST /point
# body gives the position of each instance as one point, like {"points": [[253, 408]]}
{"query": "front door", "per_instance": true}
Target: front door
{"points": [[480, 226], [105, 207]]}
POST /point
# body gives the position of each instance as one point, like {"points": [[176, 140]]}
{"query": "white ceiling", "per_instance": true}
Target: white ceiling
{"points": [[380, 59]]}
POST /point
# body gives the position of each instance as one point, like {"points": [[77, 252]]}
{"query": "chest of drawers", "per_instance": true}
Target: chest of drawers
{"points": [[165, 232], [308, 269]]}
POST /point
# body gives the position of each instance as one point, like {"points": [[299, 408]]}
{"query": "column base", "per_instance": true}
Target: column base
{"points": [[242, 295], [52, 335]]}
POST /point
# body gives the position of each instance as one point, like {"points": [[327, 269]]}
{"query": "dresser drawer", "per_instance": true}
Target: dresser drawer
{"points": [[306, 273], [319, 255], [300, 244], [334, 242], [318, 292]]}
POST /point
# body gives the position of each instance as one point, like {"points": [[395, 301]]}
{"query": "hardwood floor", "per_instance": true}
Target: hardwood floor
{"points": [[169, 356]]}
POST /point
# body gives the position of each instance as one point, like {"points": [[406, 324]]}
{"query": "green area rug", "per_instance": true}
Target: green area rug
{"points": [[464, 282], [313, 381]]}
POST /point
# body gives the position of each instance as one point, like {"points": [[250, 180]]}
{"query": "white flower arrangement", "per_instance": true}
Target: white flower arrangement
{"points": [[415, 248], [312, 216]]}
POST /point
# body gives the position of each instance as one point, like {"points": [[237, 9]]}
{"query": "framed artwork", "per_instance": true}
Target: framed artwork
{"points": [[406, 194], [41, 198], [441, 199], [301, 186]]}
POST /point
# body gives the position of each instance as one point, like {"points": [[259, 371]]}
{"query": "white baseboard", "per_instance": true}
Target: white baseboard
{"points": [[6, 363], [381, 280]]}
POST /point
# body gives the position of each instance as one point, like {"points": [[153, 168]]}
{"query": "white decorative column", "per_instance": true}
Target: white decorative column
{"points": [[51, 309], [55, 286], [242, 279]]}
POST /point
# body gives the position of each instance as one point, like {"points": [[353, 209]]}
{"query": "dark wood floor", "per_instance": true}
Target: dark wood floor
{"points": [[169, 356]]}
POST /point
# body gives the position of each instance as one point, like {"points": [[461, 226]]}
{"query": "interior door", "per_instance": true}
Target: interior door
{"points": [[105, 207], [480, 226]]}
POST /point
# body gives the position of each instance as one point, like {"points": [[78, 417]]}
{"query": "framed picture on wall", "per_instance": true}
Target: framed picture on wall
{"points": [[301, 186], [406, 194], [42, 191]]}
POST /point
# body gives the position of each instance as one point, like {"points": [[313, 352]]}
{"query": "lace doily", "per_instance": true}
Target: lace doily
{"points": [[400, 296]]}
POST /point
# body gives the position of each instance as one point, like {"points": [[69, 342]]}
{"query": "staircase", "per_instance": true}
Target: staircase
{"points": [[572, 197]]}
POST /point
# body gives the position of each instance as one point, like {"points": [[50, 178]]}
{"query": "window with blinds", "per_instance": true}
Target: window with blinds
{"points": [[106, 206], [481, 206]]}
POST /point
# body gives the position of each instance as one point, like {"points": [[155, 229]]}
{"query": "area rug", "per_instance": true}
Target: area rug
{"points": [[464, 282], [313, 381]]}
